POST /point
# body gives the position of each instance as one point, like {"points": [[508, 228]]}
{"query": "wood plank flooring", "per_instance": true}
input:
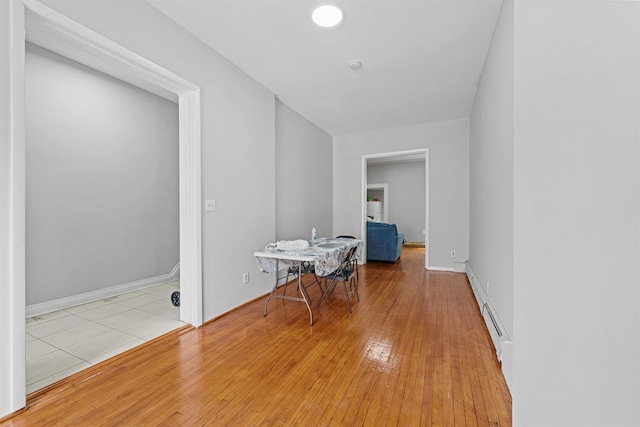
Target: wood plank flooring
{"points": [[413, 353]]}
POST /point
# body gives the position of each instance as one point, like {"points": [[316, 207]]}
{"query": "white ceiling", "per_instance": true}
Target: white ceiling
{"points": [[421, 59]]}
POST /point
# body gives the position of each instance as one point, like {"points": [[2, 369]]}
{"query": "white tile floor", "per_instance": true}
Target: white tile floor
{"points": [[64, 342]]}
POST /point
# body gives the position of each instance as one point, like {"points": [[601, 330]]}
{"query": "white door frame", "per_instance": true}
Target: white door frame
{"points": [[363, 198], [12, 173]]}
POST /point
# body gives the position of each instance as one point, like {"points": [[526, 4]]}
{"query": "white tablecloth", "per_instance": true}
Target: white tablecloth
{"points": [[327, 254]]}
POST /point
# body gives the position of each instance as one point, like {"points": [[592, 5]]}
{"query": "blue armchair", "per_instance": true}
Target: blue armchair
{"points": [[384, 243]]}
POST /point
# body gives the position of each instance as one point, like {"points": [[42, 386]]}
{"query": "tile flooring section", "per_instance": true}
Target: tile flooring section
{"points": [[64, 342]]}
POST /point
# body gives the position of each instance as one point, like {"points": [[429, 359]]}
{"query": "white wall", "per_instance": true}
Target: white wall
{"points": [[448, 144], [304, 195], [491, 163], [406, 195], [102, 180], [238, 143], [576, 213]]}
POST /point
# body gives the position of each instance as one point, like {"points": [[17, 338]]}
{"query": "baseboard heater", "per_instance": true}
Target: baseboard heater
{"points": [[494, 325], [486, 309]]}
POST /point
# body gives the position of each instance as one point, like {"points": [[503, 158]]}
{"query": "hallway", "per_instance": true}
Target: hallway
{"points": [[414, 352]]}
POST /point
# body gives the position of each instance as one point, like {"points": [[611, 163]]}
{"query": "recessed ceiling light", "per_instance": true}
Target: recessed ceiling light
{"points": [[327, 16]]}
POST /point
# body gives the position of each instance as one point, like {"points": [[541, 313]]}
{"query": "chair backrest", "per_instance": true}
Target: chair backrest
{"points": [[346, 269], [353, 250], [349, 259], [354, 254]]}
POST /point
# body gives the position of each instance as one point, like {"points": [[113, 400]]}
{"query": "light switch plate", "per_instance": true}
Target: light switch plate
{"points": [[210, 205]]}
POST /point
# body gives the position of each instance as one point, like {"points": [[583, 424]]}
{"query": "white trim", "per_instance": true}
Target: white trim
{"points": [[85, 297], [427, 196], [190, 209], [363, 198], [506, 359], [460, 266], [477, 288], [447, 269], [363, 209], [56, 32], [12, 208], [174, 274]]}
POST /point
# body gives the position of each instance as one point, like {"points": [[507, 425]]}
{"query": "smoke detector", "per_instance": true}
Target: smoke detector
{"points": [[355, 64]]}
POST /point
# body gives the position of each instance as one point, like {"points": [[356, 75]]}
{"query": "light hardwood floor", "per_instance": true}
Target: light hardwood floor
{"points": [[413, 353]]}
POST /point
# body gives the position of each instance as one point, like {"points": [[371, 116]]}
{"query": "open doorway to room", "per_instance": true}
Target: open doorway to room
{"points": [[413, 212], [102, 216], [44, 27]]}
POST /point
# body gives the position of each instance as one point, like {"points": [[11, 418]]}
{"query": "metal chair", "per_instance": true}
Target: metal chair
{"points": [[345, 273], [304, 268], [355, 257]]}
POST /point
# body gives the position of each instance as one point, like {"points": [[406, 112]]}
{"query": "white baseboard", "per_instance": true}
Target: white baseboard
{"points": [[432, 268], [459, 266], [83, 298], [506, 357], [175, 273]]}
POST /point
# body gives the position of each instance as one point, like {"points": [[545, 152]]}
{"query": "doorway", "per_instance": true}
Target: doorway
{"points": [[62, 35], [102, 216], [410, 155]]}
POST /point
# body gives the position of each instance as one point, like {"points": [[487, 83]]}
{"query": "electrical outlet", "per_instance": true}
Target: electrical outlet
{"points": [[453, 254], [210, 205], [245, 278]]}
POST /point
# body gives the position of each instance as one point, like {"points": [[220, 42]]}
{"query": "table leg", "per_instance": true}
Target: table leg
{"points": [[303, 292], [275, 286]]}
